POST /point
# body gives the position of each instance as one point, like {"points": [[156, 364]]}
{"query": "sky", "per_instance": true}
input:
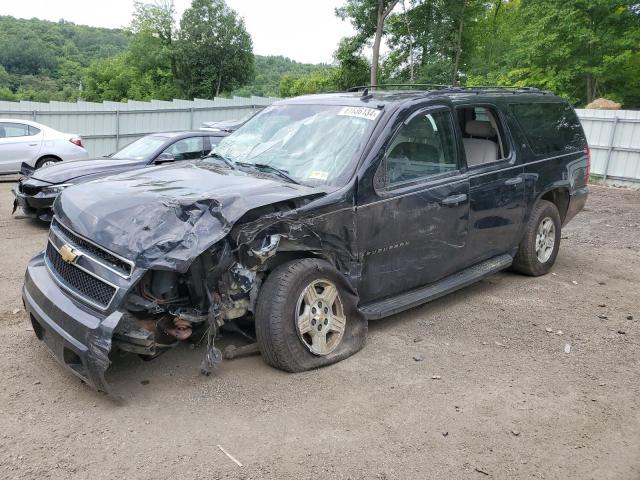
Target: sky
{"points": [[303, 30]]}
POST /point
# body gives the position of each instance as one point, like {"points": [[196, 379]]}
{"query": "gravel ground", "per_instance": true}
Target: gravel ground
{"points": [[494, 396]]}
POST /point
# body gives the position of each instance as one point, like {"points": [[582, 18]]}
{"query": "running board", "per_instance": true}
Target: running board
{"points": [[413, 298]]}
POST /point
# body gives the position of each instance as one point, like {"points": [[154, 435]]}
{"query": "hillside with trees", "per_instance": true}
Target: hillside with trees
{"points": [[580, 49]]}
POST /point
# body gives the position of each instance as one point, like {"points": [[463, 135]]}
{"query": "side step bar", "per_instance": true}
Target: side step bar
{"points": [[413, 298]]}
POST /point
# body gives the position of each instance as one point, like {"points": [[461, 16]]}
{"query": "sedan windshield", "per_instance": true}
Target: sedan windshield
{"points": [[311, 144], [140, 149]]}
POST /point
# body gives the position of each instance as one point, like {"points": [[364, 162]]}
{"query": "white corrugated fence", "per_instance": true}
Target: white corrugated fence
{"points": [[107, 126], [614, 138]]}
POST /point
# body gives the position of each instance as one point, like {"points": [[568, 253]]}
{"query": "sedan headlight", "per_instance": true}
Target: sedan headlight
{"points": [[56, 188]]}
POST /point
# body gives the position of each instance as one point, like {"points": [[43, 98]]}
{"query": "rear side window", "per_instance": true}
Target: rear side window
{"points": [[9, 130], [550, 127]]}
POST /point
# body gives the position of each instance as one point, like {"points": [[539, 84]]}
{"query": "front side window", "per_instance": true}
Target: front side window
{"points": [[187, 148], [550, 127], [423, 147], [9, 130], [312, 144]]}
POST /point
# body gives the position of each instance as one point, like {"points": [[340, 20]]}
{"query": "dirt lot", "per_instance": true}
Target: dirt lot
{"points": [[508, 402]]}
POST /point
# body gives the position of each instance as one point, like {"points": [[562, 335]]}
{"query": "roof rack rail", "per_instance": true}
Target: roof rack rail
{"points": [[436, 88]]}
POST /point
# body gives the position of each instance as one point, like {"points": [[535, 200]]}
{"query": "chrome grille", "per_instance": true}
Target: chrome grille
{"points": [[92, 249], [79, 281]]}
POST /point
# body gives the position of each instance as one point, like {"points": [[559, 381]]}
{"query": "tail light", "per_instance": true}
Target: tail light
{"points": [[76, 141], [588, 169]]}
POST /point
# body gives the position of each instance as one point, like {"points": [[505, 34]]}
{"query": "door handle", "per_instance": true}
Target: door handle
{"points": [[513, 181], [33, 144], [455, 199]]}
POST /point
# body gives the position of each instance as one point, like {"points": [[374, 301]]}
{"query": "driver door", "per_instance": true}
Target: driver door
{"points": [[413, 230]]}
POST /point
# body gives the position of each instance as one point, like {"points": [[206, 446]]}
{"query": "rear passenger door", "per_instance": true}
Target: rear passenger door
{"points": [[412, 230], [496, 183]]}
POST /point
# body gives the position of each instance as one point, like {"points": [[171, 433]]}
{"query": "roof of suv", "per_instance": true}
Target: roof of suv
{"points": [[376, 97]]}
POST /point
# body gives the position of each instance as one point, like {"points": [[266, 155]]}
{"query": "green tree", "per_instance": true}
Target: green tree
{"points": [[368, 18], [214, 51]]}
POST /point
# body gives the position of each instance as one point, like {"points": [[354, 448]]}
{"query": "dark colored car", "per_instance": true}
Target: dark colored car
{"points": [[37, 190], [319, 214], [228, 126]]}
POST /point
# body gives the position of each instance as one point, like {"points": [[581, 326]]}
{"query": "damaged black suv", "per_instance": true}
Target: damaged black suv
{"points": [[319, 214]]}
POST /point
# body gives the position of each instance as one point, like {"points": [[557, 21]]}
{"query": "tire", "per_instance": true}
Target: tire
{"points": [[282, 303], [44, 161], [533, 258]]}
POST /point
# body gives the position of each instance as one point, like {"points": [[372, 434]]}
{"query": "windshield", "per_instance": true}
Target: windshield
{"points": [[312, 144], [140, 149]]}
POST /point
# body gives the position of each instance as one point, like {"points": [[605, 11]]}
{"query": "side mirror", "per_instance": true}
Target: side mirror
{"points": [[165, 157]]}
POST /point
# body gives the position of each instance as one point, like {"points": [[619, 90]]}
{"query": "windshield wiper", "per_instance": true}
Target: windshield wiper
{"points": [[272, 169], [217, 156]]}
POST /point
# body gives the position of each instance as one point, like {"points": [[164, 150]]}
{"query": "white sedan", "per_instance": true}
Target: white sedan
{"points": [[35, 144]]}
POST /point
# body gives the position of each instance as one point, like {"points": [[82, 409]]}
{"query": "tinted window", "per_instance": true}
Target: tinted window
{"points": [[140, 149], [549, 127], [14, 130], [187, 148], [423, 147], [33, 131], [215, 140]]}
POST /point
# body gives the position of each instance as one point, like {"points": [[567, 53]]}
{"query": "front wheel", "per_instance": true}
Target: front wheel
{"points": [[307, 317], [541, 241]]}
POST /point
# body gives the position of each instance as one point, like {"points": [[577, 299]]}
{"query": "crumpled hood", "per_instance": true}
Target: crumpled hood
{"points": [[64, 172], [164, 217]]}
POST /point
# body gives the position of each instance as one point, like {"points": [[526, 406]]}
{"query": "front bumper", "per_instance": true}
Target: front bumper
{"points": [[78, 338], [38, 206]]}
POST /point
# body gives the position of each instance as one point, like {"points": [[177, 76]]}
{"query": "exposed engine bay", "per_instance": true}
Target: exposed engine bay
{"points": [[167, 307]]}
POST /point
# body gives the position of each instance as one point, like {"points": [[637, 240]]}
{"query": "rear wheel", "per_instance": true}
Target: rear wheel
{"points": [[46, 161], [306, 317], [541, 241]]}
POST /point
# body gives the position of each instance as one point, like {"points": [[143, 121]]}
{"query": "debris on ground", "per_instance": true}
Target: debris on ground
{"points": [[559, 332], [622, 332], [602, 305], [480, 470], [418, 358], [567, 348], [15, 311], [574, 282], [515, 433], [548, 330], [629, 317], [445, 434], [498, 344], [602, 316], [230, 456], [435, 377]]}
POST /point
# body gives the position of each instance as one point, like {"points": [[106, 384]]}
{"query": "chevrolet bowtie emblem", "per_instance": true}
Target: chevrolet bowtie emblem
{"points": [[68, 254]]}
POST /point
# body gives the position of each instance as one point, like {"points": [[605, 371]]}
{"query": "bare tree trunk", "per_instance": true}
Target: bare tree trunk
{"points": [[456, 63], [411, 65], [377, 39], [381, 16], [591, 90], [218, 85]]}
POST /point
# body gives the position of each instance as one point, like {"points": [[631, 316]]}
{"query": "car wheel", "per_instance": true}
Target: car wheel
{"points": [[307, 317], [541, 241], [46, 161]]}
